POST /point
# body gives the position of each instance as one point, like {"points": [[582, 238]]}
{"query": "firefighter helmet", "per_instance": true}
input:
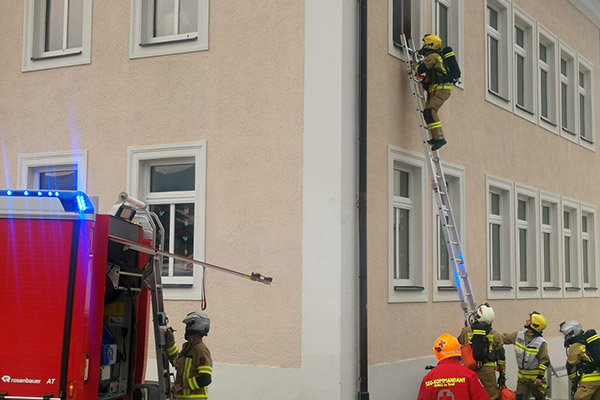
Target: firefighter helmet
{"points": [[196, 323], [432, 42], [571, 329], [446, 346], [537, 322], [486, 314]]}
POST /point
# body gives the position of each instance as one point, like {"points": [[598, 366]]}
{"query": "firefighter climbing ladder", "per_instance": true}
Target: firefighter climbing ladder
{"points": [[440, 191]]}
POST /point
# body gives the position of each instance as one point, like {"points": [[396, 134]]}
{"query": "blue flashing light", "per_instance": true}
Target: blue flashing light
{"points": [[71, 201], [81, 203], [9, 192], [56, 194], [26, 193], [39, 193], [50, 193]]}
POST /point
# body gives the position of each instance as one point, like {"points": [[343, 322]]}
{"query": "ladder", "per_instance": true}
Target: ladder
{"points": [[440, 191]]}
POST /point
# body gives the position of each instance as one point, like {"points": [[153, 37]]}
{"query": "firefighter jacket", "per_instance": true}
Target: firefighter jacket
{"points": [[579, 361], [435, 72], [452, 380], [496, 355], [531, 352], [193, 361]]}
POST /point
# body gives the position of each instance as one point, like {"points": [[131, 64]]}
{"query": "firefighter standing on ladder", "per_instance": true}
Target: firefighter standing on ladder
{"points": [[435, 84], [193, 363], [450, 379]]}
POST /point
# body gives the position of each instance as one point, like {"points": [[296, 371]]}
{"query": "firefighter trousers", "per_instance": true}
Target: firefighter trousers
{"points": [[435, 100], [487, 376], [588, 391]]}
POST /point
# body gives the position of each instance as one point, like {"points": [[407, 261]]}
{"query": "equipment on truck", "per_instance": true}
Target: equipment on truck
{"points": [[440, 188], [91, 281]]}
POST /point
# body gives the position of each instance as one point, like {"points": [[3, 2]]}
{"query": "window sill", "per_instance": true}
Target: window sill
{"points": [[546, 120], [590, 288], [501, 287], [520, 107], [177, 285], [58, 53], [170, 39], [446, 288], [498, 95], [408, 288], [528, 288], [565, 130], [552, 288], [587, 140], [572, 289]]}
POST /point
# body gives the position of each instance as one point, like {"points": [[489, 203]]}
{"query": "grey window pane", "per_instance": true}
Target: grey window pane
{"points": [[444, 271], [520, 37], [494, 66], [547, 261], [493, 18], [188, 16], [402, 243], [443, 23], [401, 183], [567, 220], [567, 259], [582, 127], [520, 80], [75, 28], [523, 255], [495, 198], [522, 210], [564, 105], [495, 251], [544, 92], [164, 14], [543, 55], [184, 238], [58, 180], [171, 178], [584, 223], [563, 67], [546, 215], [163, 211], [397, 19], [582, 79], [55, 18], [586, 265]]}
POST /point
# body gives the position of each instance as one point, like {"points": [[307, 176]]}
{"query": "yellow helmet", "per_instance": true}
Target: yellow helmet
{"points": [[538, 322], [446, 346], [432, 42]]}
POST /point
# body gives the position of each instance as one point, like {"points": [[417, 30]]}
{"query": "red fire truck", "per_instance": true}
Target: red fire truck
{"points": [[78, 293]]}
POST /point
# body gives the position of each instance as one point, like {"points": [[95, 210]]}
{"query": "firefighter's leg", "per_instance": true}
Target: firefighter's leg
{"points": [[487, 376], [588, 391], [434, 103]]}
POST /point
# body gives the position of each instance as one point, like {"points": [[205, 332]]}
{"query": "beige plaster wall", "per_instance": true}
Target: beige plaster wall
{"points": [[484, 139], [244, 96]]}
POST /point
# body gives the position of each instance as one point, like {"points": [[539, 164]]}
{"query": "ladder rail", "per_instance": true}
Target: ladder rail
{"points": [[440, 189]]}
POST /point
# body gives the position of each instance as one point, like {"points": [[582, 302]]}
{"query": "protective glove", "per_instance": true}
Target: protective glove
{"points": [[169, 337], [573, 390], [501, 379], [414, 65]]}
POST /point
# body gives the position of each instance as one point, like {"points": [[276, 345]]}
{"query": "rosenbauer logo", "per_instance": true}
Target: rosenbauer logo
{"points": [[8, 379]]}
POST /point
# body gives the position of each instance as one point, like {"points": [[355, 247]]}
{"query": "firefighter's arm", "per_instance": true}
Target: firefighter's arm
{"points": [[544, 360], [501, 361], [204, 378], [171, 348], [463, 337], [509, 338]]}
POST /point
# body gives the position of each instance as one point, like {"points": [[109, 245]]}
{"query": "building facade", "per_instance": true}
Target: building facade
{"points": [[237, 122]]}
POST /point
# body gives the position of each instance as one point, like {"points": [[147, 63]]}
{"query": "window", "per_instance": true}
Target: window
{"points": [[53, 171], [57, 33], [548, 113], [570, 245], [171, 180], [448, 25], [588, 250], [405, 16], [524, 66], [498, 53], [500, 237], [550, 252], [160, 27], [584, 89], [567, 92], [444, 278], [526, 242], [407, 227]]}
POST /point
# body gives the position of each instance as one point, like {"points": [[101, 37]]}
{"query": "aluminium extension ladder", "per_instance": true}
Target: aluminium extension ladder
{"points": [[440, 191]]}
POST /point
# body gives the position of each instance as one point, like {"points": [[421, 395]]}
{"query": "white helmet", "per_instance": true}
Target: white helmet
{"points": [[570, 329], [486, 314], [196, 323]]}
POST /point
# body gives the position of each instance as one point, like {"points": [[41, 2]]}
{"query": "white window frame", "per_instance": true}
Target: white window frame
{"points": [[141, 46], [585, 67], [571, 132], [573, 232], [590, 288], [138, 158], [531, 288], [418, 12], [445, 289], [550, 41], [554, 288], [416, 288], [31, 164], [455, 25], [504, 288], [34, 57], [529, 53], [503, 35]]}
